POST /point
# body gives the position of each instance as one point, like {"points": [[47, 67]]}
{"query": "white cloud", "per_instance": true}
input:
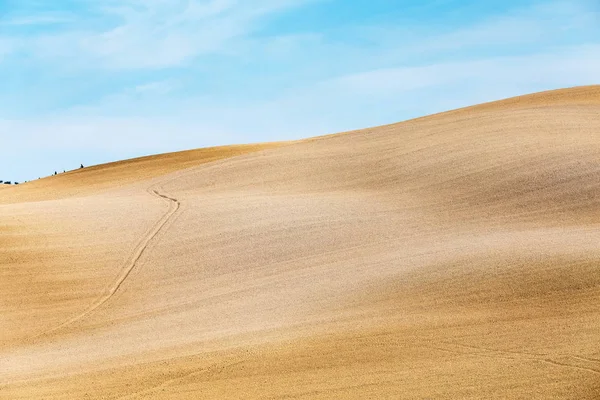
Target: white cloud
{"points": [[564, 67], [151, 33], [48, 19], [107, 134], [157, 87]]}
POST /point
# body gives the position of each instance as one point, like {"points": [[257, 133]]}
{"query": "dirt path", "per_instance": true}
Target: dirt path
{"points": [[130, 264]]}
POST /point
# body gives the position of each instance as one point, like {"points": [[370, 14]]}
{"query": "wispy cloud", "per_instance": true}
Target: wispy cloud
{"points": [[133, 34], [159, 87], [36, 20], [564, 66]]}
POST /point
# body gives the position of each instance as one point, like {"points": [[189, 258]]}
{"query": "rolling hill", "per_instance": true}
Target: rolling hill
{"points": [[450, 256]]}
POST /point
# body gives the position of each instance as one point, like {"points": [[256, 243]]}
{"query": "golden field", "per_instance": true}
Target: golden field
{"points": [[455, 256]]}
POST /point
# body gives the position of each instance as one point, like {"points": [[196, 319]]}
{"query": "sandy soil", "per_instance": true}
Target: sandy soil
{"points": [[453, 256]]}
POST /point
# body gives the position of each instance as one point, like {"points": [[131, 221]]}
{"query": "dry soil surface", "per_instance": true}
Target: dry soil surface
{"points": [[455, 256]]}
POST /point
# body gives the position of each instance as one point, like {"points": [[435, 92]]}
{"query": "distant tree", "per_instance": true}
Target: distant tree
{"points": [[1, 181], [7, 183], [16, 183], [81, 166]]}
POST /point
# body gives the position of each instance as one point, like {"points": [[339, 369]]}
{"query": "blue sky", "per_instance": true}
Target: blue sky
{"points": [[91, 81]]}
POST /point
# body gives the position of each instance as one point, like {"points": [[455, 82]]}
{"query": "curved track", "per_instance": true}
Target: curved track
{"points": [[131, 262]]}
